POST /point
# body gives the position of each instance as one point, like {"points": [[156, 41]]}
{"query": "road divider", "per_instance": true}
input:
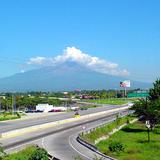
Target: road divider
{"points": [[35, 128]]}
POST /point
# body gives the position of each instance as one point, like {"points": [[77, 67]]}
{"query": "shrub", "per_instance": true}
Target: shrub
{"points": [[98, 158], [2, 153], [118, 120], [127, 121], [39, 154], [18, 115], [78, 158], [5, 114], [115, 146]]}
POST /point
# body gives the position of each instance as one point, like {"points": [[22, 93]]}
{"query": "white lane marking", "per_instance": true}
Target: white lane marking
{"points": [[77, 150], [43, 145]]}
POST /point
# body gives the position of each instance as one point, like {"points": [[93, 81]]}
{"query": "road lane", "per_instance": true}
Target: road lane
{"points": [[13, 125], [62, 145]]}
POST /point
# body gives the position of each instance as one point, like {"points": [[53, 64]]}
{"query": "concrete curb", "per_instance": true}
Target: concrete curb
{"points": [[21, 131]]}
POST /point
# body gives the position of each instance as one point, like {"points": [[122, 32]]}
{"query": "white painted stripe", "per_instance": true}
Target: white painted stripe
{"points": [[77, 150]]}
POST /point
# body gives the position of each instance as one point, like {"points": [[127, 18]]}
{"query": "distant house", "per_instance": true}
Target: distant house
{"points": [[49, 108], [44, 107], [3, 97], [87, 97]]}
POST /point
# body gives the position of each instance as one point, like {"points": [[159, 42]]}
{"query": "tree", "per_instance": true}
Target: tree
{"points": [[149, 108], [154, 93]]}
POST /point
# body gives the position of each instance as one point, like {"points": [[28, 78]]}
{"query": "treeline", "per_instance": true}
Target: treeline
{"points": [[31, 99], [103, 94], [22, 102]]}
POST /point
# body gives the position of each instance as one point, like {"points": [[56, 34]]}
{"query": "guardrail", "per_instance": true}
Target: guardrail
{"points": [[50, 157], [93, 148]]}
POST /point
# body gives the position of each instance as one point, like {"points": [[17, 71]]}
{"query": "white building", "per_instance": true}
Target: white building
{"points": [[44, 107]]}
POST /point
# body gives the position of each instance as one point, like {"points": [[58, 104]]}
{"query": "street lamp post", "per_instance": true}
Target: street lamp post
{"points": [[0, 105], [116, 92], [13, 104]]}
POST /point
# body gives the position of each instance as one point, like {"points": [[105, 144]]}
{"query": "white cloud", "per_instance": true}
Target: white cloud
{"points": [[75, 55], [37, 60]]}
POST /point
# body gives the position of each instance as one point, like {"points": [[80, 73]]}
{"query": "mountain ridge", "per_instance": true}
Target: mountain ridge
{"points": [[62, 77]]}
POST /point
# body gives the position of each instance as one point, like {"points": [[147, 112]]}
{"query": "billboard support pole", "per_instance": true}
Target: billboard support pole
{"points": [[125, 92]]}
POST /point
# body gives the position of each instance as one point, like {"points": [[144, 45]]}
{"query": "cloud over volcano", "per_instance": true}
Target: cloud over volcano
{"points": [[72, 54]]}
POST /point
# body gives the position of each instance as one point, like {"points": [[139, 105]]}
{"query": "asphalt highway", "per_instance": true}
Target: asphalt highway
{"points": [[17, 124], [62, 145]]}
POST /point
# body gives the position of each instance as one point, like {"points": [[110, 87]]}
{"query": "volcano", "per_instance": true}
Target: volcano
{"points": [[63, 77]]}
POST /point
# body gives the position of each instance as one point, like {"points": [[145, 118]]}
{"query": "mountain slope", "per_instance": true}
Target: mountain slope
{"points": [[68, 76]]}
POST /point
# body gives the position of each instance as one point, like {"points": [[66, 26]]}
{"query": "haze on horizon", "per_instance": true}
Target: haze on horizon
{"points": [[112, 37]]}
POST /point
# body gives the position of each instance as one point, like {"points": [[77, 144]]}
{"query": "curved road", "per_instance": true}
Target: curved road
{"points": [[63, 145]]}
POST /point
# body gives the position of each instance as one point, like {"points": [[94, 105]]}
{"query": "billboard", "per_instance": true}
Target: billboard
{"points": [[125, 83]]}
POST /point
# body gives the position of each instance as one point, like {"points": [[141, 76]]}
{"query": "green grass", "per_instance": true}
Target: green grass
{"points": [[114, 101], [103, 131], [8, 117], [22, 155], [134, 138]]}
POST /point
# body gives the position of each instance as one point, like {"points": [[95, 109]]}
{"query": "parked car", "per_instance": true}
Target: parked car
{"points": [[30, 111], [38, 111], [55, 110]]}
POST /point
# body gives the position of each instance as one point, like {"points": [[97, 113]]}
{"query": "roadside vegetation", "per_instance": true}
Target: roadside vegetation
{"points": [[137, 141], [10, 116], [131, 143], [19, 102], [95, 158], [113, 101], [105, 130], [149, 108], [29, 153], [87, 107]]}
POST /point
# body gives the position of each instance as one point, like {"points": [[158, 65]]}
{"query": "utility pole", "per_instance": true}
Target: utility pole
{"points": [[13, 104], [116, 92], [125, 92], [0, 106]]}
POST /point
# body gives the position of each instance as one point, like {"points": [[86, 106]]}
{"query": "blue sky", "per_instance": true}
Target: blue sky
{"points": [[125, 32]]}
